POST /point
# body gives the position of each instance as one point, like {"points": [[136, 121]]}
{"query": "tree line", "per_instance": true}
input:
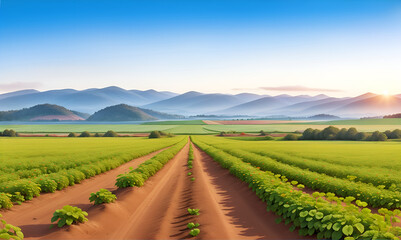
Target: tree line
{"points": [[351, 134]]}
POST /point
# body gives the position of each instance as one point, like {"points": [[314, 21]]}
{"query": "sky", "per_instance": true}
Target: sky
{"points": [[339, 48]]}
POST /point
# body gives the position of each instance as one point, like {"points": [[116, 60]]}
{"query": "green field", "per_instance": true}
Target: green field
{"points": [[55, 163], [183, 122]]}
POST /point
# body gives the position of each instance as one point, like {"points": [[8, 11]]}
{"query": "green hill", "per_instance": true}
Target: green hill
{"points": [[42, 112], [124, 112]]}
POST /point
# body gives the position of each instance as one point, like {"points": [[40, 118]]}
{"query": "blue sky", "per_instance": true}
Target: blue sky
{"points": [[343, 47]]}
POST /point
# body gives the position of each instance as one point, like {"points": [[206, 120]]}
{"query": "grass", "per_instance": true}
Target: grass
{"points": [[183, 122]]}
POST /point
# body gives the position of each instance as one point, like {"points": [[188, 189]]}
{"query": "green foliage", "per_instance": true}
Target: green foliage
{"points": [[192, 179], [85, 134], [25, 187], [312, 214], [102, 196], [9, 133], [194, 232], [333, 133], [189, 174], [291, 137], [193, 211], [5, 200], [377, 136], [110, 133], [159, 134], [69, 215], [72, 134], [129, 180], [192, 225], [46, 184], [17, 198], [8, 231]]}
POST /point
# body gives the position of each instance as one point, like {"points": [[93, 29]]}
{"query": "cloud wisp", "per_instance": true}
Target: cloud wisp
{"points": [[5, 87]]}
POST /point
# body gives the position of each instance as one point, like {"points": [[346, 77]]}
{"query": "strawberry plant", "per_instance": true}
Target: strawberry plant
{"points": [[8, 231], [102, 196], [69, 215], [194, 232], [193, 211], [192, 225]]}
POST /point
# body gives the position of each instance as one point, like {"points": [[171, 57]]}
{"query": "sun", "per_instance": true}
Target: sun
{"points": [[385, 93]]}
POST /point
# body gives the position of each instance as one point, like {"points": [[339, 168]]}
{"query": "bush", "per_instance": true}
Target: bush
{"points": [[396, 134], [46, 184], [194, 232], [69, 215], [110, 134], [72, 134], [27, 188], [5, 201], [268, 138], [102, 196], [9, 133], [377, 136], [98, 135], [291, 137], [8, 231], [193, 211], [17, 198], [129, 180], [262, 133], [85, 134], [361, 136], [155, 134]]}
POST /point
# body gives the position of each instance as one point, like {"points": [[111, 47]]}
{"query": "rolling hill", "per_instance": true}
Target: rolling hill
{"points": [[89, 100], [43, 112], [124, 112]]}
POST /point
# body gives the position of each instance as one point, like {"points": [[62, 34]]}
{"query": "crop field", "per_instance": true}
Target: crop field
{"points": [[199, 186]]}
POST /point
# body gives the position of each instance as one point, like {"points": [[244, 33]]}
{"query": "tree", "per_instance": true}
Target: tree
{"points": [[262, 133], [316, 134], [85, 134], [308, 134], [388, 134], [72, 134], [291, 137], [329, 133], [378, 136], [9, 133], [155, 134], [351, 133], [396, 134], [110, 133], [361, 136], [342, 134]]}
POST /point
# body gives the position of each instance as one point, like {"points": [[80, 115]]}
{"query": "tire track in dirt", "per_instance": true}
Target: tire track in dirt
{"points": [[33, 216]]}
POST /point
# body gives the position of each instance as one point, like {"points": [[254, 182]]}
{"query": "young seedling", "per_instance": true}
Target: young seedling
{"points": [[194, 232], [189, 174], [193, 211], [192, 179], [192, 225]]}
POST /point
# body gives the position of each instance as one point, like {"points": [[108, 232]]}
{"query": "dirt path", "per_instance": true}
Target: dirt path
{"points": [[33, 217]]}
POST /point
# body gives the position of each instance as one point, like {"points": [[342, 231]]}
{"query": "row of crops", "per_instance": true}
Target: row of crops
{"points": [[31, 166], [339, 210]]}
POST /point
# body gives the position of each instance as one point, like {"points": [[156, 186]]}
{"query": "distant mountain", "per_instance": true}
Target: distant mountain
{"points": [[197, 103], [43, 112], [124, 112], [89, 100], [323, 117], [376, 105], [17, 93]]}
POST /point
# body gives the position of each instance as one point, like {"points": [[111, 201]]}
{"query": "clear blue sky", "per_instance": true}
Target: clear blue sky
{"points": [[342, 47]]}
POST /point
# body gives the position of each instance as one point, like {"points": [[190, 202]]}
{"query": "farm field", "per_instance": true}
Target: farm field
{"points": [[307, 185]]}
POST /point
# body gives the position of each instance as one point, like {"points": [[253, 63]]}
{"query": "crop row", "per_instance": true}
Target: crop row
{"points": [[145, 170], [26, 189], [311, 215], [374, 196]]}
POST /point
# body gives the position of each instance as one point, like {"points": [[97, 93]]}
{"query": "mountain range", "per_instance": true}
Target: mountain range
{"points": [[196, 103]]}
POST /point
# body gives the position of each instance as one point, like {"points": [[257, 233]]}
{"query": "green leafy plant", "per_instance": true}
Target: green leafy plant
{"points": [[193, 211], [17, 198], [189, 174], [69, 215], [102, 196], [8, 231], [192, 225], [129, 180], [192, 179], [194, 232], [5, 201]]}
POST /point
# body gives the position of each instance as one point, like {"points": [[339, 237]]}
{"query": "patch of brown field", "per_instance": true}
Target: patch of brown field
{"points": [[254, 122], [210, 122]]}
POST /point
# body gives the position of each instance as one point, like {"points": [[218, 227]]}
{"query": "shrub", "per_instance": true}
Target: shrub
{"points": [[74, 176], [192, 225], [396, 134], [262, 133], [27, 188], [8, 231], [61, 180], [102, 196], [5, 201], [222, 134], [46, 184], [377, 136], [194, 232], [98, 135], [155, 134], [129, 180], [361, 136], [291, 137], [193, 211], [85, 134], [9, 133], [110, 133], [17, 198], [72, 134], [268, 138], [69, 215]]}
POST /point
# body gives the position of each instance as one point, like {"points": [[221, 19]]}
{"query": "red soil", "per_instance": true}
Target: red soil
{"points": [[158, 210]]}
